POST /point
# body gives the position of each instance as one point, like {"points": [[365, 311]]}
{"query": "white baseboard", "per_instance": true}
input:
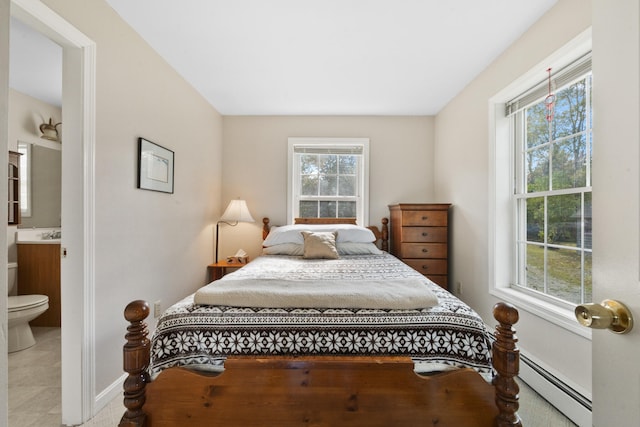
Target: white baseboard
{"points": [[572, 403], [108, 394]]}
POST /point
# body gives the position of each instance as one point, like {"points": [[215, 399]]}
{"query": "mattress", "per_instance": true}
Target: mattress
{"points": [[448, 335], [296, 282]]}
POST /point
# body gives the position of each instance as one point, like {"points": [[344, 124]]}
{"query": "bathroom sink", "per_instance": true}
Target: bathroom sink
{"points": [[42, 236]]}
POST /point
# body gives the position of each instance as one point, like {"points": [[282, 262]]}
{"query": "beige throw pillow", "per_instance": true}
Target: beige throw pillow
{"points": [[320, 244]]}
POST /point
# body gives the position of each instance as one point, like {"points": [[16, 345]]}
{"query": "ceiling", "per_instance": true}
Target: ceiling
{"points": [[326, 57]]}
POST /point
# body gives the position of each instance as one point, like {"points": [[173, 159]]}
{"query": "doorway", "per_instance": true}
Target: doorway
{"points": [[35, 98], [77, 244]]}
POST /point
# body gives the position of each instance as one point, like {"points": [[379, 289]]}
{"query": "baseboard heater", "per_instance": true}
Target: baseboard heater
{"points": [[573, 404], [557, 382]]}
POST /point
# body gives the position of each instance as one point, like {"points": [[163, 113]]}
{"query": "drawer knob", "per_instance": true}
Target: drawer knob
{"points": [[425, 267], [424, 218], [425, 234], [425, 250]]}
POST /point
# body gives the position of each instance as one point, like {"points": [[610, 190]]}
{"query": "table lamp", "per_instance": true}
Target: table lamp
{"points": [[236, 212]]}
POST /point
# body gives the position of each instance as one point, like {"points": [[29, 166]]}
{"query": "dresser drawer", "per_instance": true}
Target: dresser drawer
{"points": [[424, 218], [424, 234], [441, 280], [423, 250], [428, 267]]}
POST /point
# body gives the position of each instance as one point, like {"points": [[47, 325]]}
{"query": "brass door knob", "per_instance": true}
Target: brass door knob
{"points": [[609, 314]]}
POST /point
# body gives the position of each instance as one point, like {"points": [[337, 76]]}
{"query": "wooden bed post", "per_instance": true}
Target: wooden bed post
{"points": [[385, 235], [136, 361], [265, 228], [506, 361]]}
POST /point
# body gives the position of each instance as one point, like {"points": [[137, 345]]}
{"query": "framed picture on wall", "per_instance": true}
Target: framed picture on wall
{"points": [[155, 167]]}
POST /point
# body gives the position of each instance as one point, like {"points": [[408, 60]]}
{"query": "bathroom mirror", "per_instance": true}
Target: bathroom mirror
{"points": [[40, 184]]}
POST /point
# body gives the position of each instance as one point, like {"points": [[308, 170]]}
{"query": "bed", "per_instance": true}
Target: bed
{"points": [[254, 349]]}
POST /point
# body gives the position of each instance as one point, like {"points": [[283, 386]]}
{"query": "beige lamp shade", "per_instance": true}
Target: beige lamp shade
{"points": [[237, 211]]}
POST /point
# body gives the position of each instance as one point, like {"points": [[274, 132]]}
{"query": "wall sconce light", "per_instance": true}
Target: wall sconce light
{"points": [[50, 131], [236, 212]]}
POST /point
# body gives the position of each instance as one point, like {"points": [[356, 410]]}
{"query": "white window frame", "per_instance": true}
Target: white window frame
{"points": [[502, 227], [362, 196]]}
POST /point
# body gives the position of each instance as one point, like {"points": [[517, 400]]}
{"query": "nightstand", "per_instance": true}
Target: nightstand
{"points": [[219, 269]]}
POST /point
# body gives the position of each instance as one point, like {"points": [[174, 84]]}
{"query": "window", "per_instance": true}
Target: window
{"points": [[552, 145], [25, 178], [328, 178]]}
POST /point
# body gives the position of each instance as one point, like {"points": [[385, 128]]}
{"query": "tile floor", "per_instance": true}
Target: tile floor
{"points": [[34, 382], [34, 391], [34, 386]]}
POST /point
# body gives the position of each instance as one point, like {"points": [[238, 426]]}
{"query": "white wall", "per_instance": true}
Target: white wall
{"points": [[149, 245], [462, 177], [255, 165], [26, 114]]}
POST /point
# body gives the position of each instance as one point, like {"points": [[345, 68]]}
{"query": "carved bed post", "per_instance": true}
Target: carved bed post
{"points": [[136, 361], [265, 228], [385, 235], [506, 361]]}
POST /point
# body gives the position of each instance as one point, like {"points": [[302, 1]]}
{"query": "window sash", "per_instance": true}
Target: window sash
{"points": [[521, 196], [332, 146], [298, 197]]}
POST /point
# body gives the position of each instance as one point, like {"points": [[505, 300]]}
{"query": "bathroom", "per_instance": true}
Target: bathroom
{"points": [[40, 203]]}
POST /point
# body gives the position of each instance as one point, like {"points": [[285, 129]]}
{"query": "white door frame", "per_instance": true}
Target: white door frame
{"points": [[78, 212], [4, 147]]}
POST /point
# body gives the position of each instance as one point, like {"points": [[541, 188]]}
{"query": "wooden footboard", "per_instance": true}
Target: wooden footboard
{"points": [[319, 391]]}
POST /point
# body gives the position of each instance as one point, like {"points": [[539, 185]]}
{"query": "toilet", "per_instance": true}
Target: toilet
{"points": [[22, 309]]}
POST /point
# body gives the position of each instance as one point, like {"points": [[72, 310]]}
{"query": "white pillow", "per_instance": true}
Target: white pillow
{"points": [[345, 248], [292, 249], [355, 248], [291, 233]]}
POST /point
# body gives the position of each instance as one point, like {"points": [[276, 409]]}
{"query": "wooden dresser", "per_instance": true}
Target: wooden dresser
{"points": [[419, 237]]}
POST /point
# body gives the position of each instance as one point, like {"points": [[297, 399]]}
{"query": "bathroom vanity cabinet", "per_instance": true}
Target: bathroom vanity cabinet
{"points": [[39, 273]]}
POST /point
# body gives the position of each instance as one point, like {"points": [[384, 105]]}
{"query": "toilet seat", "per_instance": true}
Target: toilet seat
{"points": [[26, 302]]}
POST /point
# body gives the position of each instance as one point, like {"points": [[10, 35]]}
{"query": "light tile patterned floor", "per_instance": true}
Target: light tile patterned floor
{"points": [[34, 391], [34, 386], [34, 382]]}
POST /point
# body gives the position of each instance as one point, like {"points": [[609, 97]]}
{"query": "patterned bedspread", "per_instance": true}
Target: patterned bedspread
{"points": [[447, 335]]}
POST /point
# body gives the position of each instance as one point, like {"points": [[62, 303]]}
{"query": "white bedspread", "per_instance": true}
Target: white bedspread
{"points": [[349, 282]]}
